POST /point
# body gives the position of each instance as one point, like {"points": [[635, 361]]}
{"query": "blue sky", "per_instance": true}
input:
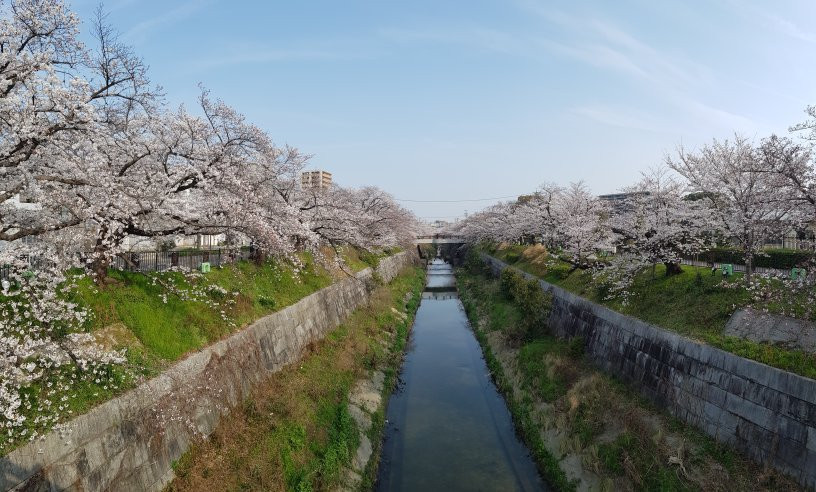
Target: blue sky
{"points": [[471, 99]]}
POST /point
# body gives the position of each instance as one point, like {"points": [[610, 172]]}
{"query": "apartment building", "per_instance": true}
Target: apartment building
{"points": [[315, 180]]}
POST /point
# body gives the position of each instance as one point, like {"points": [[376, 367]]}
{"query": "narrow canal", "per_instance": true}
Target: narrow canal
{"points": [[448, 427]]}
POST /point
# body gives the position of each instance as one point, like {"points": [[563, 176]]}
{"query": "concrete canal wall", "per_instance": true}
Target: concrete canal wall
{"points": [[131, 442], [765, 412]]}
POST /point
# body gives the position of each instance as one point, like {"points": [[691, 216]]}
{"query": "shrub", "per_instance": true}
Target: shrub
{"points": [[783, 259], [512, 257], [533, 302], [266, 302], [474, 264], [370, 258], [576, 347], [166, 245], [508, 281]]}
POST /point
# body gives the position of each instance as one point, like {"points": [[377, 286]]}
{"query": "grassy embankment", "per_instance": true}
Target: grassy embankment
{"points": [[583, 425], [295, 432], [160, 317], [169, 324], [694, 303]]}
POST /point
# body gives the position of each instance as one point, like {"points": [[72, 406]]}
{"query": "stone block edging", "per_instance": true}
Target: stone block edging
{"points": [[765, 412], [132, 441]]}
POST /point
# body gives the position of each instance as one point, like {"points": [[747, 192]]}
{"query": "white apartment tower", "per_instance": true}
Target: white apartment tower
{"points": [[315, 179]]}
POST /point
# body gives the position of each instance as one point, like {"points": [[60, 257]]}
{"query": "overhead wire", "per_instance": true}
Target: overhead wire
{"points": [[456, 201]]}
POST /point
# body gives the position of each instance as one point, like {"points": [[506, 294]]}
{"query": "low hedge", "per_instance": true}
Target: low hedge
{"points": [[783, 259]]}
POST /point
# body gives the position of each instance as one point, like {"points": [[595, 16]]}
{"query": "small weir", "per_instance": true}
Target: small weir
{"points": [[448, 427]]}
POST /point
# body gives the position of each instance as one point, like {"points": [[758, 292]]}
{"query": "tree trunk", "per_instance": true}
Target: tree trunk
{"points": [[99, 269], [101, 261], [101, 253], [673, 268], [749, 269], [257, 255]]}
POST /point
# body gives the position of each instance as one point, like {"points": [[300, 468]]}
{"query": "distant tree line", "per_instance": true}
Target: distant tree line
{"points": [[735, 192]]}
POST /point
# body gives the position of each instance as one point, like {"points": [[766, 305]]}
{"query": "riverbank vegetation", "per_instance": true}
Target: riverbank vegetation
{"points": [[694, 303], [584, 426], [95, 162], [732, 201], [295, 432], [153, 319], [728, 200], [172, 313]]}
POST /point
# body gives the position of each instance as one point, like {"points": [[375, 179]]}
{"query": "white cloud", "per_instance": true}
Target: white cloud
{"points": [[259, 55], [173, 16], [792, 29], [601, 43], [723, 119], [623, 117], [481, 38], [772, 20], [677, 81]]}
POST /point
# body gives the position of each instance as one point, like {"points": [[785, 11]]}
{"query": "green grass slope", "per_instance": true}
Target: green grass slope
{"points": [[694, 303]]}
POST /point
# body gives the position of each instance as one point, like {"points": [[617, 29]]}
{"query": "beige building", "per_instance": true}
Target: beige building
{"points": [[315, 179]]}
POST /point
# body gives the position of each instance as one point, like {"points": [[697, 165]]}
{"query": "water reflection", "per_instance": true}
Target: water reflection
{"points": [[448, 427]]}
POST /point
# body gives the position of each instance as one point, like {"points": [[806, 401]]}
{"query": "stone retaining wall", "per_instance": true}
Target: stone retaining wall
{"points": [[131, 442], [759, 326], [765, 412]]}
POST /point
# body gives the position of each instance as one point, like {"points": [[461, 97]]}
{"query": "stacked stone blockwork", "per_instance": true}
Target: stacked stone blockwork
{"points": [[765, 412], [131, 442]]}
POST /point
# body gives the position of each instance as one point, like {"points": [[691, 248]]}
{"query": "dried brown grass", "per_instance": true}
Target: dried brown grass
{"points": [[245, 450], [536, 255], [593, 399]]}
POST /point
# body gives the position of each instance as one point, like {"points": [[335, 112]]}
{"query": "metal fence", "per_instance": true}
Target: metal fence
{"points": [[160, 261], [737, 267], [33, 264]]}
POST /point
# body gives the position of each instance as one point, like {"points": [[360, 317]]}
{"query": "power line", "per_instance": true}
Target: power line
{"points": [[456, 201]]}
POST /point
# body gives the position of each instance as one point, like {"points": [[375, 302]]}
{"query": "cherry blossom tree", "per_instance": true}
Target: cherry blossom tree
{"points": [[580, 226], [366, 218], [794, 163], [807, 128], [178, 174], [653, 223], [43, 104], [571, 221], [87, 143], [657, 223], [524, 222], [492, 224], [544, 201], [259, 201], [41, 344], [749, 203]]}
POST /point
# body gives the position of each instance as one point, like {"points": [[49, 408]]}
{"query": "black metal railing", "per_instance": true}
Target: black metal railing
{"points": [[33, 264], [739, 268], [160, 261]]}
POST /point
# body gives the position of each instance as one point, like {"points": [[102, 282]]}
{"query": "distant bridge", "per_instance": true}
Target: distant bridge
{"points": [[439, 239]]}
